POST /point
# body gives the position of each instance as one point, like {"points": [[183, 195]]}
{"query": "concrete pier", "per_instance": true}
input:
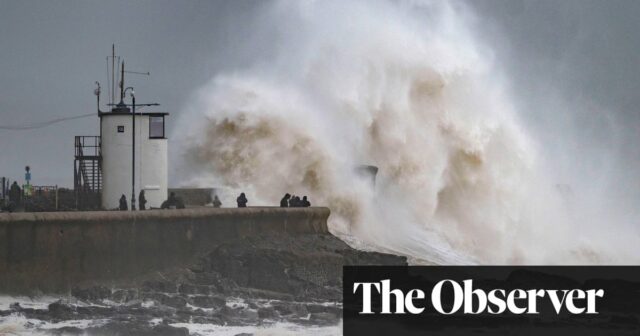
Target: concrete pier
{"points": [[54, 252]]}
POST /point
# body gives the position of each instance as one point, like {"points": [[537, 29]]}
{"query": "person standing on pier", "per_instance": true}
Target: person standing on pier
{"points": [[284, 202], [142, 200], [242, 201], [15, 194], [123, 203], [216, 202]]}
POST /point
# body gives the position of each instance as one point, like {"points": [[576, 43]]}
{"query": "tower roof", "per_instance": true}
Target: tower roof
{"points": [[121, 108], [128, 112]]}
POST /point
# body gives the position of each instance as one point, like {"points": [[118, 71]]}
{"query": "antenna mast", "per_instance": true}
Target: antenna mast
{"points": [[113, 74], [122, 83]]}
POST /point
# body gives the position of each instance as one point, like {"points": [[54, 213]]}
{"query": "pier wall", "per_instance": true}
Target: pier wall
{"points": [[54, 252]]}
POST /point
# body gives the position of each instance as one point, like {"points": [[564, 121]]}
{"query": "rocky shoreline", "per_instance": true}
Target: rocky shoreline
{"points": [[252, 281]]}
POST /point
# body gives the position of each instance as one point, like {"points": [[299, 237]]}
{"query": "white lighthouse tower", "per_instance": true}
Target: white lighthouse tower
{"points": [[133, 148], [119, 175]]}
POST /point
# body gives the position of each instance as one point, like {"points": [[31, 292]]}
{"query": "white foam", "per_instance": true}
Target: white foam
{"points": [[41, 302], [405, 86], [235, 302], [18, 324]]}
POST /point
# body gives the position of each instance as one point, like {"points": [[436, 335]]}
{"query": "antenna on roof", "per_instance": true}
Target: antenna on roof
{"points": [[139, 73], [113, 76], [117, 65], [122, 83]]}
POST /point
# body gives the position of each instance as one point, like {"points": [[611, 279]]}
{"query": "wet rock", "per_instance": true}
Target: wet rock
{"points": [[227, 312], [61, 311], [138, 329], [263, 294], [38, 314], [124, 295], [194, 289], [91, 294], [267, 313], [281, 277], [215, 282], [286, 308], [174, 301], [167, 330], [215, 319], [186, 315], [239, 316], [207, 301], [160, 287], [316, 308], [324, 318], [227, 286], [95, 311], [308, 267], [197, 267], [66, 331], [170, 300], [249, 315]]}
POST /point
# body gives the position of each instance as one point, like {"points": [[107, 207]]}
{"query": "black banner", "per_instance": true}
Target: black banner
{"points": [[491, 300]]}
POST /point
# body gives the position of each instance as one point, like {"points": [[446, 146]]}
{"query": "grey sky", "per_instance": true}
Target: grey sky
{"points": [[575, 72], [574, 68], [53, 52]]}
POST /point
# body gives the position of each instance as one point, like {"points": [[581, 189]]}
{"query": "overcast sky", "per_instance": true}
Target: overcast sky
{"points": [[54, 51], [580, 55]]}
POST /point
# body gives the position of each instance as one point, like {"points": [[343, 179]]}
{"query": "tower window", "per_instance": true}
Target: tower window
{"points": [[156, 127], [120, 129]]}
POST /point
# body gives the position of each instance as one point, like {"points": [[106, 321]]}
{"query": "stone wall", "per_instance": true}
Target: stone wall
{"points": [[54, 252]]}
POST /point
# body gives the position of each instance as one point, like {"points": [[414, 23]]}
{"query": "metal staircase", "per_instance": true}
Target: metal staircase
{"points": [[87, 172]]}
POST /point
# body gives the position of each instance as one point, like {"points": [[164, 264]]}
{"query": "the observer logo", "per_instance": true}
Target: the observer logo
{"points": [[491, 300], [470, 300]]}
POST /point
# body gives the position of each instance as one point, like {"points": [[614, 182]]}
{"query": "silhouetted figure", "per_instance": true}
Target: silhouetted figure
{"points": [[216, 202], [295, 202], [15, 194], [173, 202], [284, 202], [305, 202], [242, 201], [123, 203], [143, 200]]}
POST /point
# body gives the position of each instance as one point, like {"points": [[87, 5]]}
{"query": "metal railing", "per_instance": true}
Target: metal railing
{"points": [[87, 146], [87, 171]]}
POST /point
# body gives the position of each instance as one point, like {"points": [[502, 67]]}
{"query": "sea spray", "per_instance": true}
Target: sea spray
{"points": [[399, 85]]}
